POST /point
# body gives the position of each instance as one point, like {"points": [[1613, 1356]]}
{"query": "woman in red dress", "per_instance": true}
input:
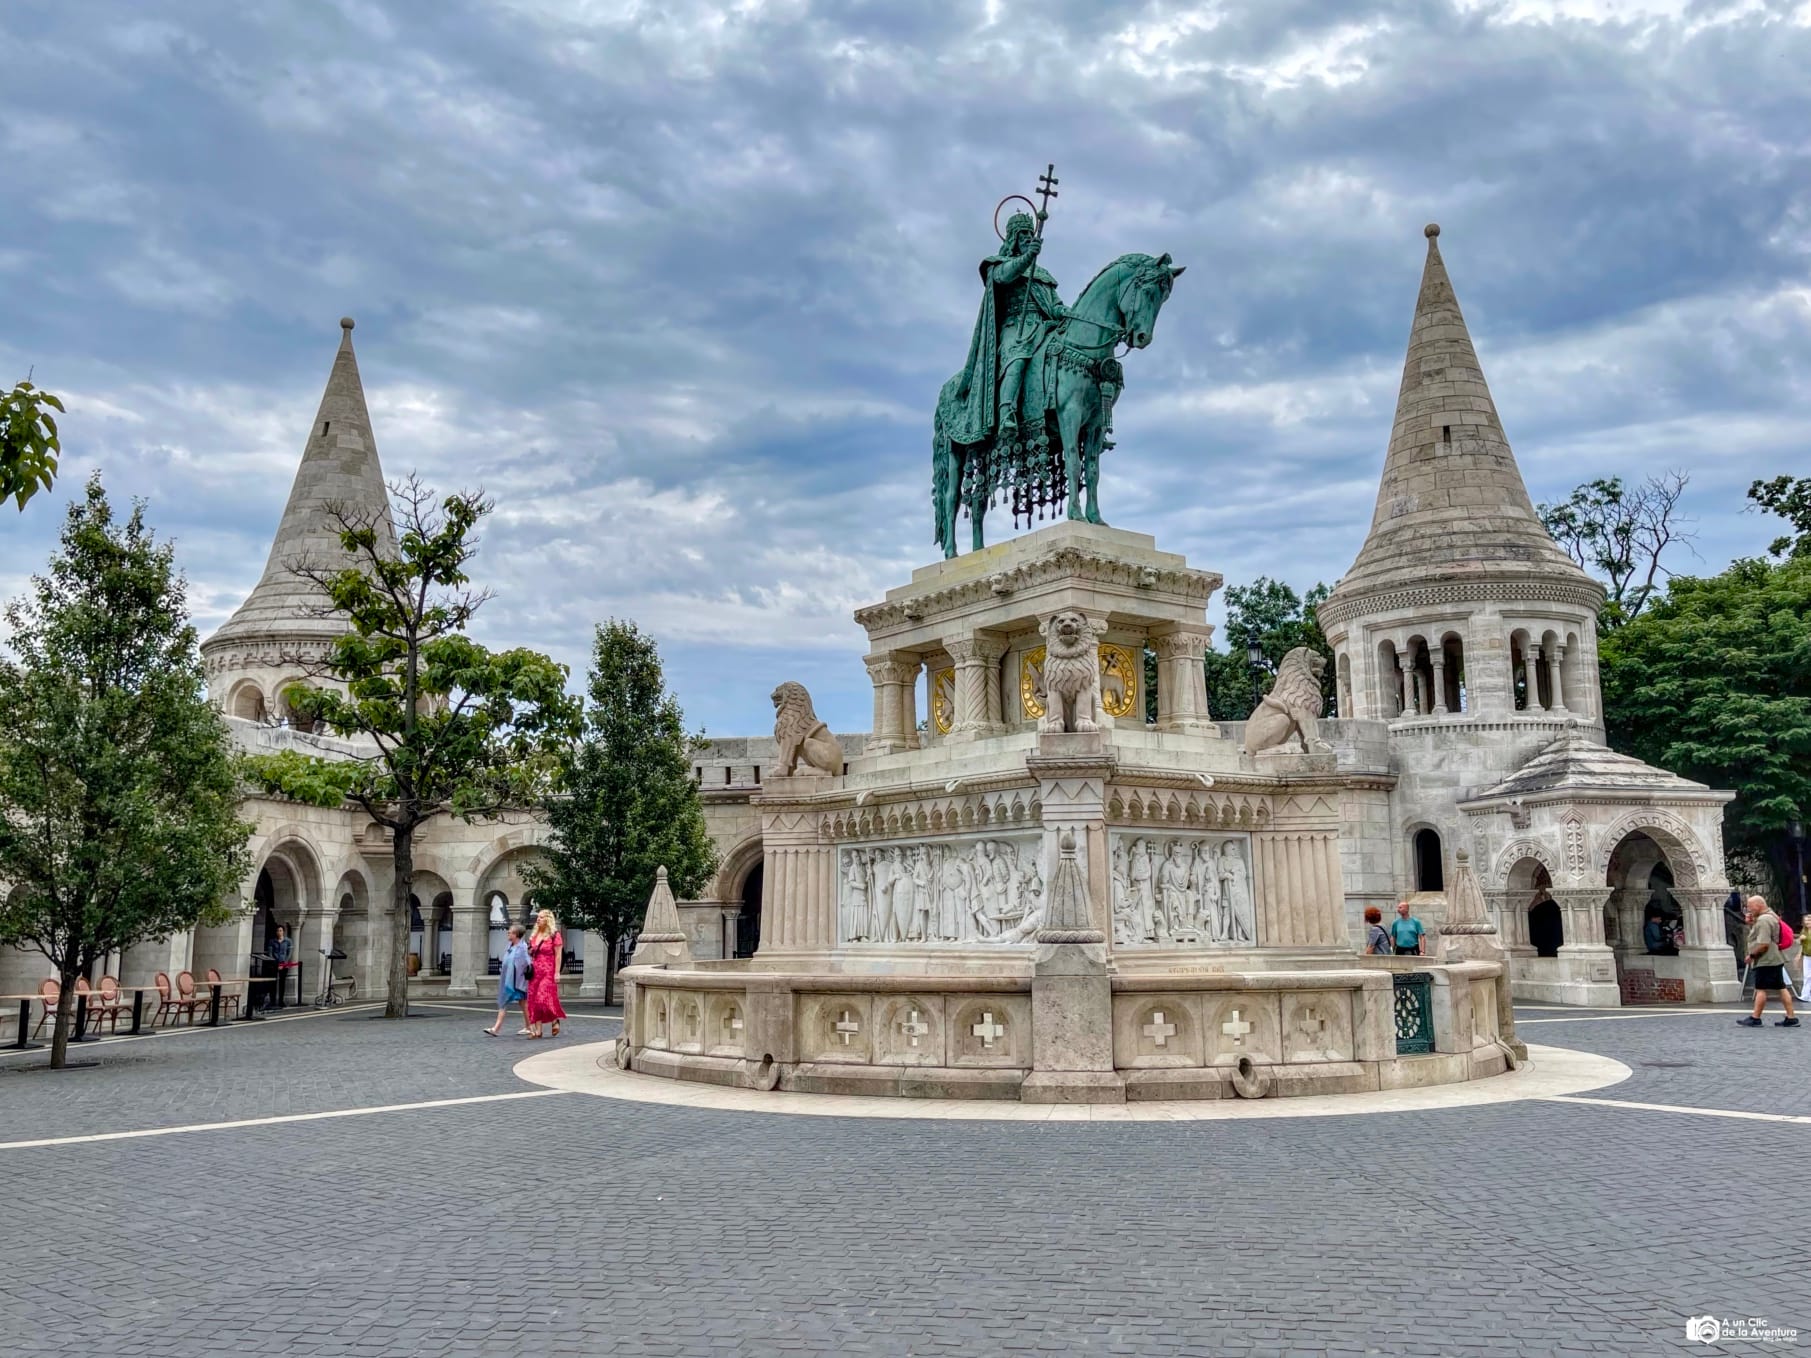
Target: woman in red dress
{"points": [[543, 1003]]}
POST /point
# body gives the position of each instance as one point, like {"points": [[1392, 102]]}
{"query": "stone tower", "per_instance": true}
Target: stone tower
{"points": [[253, 656], [1466, 638], [1460, 607]]}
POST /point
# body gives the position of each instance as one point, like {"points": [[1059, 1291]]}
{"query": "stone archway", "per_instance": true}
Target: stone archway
{"points": [[738, 887], [1652, 873]]}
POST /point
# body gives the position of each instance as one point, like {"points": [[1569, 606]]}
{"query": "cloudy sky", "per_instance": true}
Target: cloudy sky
{"points": [[677, 282]]}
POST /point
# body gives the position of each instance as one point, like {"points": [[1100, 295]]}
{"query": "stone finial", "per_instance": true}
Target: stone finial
{"points": [[1431, 230], [1465, 912], [346, 322], [1068, 915], [661, 940], [800, 736]]}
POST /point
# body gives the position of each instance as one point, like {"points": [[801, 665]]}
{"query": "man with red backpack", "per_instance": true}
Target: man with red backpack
{"points": [[1767, 933]]}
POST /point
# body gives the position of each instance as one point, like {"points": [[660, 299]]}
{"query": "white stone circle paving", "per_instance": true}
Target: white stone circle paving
{"points": [[591, 1069]]}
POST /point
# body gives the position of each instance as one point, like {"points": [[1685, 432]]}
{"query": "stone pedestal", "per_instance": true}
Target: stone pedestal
{"points": [[1071, 1028]]}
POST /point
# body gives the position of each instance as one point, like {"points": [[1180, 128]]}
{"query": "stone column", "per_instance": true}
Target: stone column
{"points": [[1555, 654], [908, 701], [1706, 958], [977, 685], [591, 983], [885, 720], [1182, 682], [895, 703], [1589, 966], [471, 949], [314, 931], [1437, 658], [1411, 684]]}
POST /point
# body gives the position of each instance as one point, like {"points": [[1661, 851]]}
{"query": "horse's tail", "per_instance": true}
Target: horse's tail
{"points": [[941, 489]]}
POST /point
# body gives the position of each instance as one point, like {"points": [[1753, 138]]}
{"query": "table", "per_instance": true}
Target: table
{"points": [[20, 1044]]}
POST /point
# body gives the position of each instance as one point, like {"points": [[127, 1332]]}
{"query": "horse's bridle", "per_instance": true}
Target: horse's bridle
{"points": [[1119, 336]]}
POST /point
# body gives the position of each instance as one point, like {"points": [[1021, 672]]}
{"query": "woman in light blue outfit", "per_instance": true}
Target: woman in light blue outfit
{"points": [[512, 985]]}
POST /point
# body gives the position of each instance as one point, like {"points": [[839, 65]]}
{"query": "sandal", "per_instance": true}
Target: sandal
{"points": [[556, 1027]]}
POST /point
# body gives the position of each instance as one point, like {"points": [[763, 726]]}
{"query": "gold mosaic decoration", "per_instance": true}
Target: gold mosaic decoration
{"points": [[1031, 664], [1118, 681], [943, 700]]}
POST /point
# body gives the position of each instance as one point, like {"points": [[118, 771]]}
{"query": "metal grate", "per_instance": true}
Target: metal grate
{"points": [[1414, 1013]]}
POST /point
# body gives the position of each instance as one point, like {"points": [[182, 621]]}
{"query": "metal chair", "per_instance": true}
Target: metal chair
{"points": [[50, 994], [228, 998]]}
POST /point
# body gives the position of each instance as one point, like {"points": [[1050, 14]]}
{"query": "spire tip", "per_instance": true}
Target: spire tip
{"points": [[345, 322], [1431, 230]]}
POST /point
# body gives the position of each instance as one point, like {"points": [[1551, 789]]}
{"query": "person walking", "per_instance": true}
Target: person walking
{"points": [[1767, 964], [1377, 938], [512, 985], [1406, 931], [543, 1004]]}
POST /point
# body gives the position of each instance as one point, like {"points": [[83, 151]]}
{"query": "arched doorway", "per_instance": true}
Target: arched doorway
{"points": [[1430, 870], [1533, 921], [748, 923], [1644, 923]]}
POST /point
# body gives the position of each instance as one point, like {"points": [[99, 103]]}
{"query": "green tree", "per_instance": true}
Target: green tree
{"points": [[1278, 619], [1620, 536], [118, 798], [627, 804], [1790, 498], [29, 446], [1714, 681], [454, 729]]}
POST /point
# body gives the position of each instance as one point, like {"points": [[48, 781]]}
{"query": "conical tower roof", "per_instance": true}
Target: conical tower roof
{"points": [[339, 467], [1451, 505]]}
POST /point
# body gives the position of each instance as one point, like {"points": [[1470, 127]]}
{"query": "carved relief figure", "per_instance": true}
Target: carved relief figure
{"points": [[1235, 894], [955, 897], [1204, 881], [1070, 679], [1292, 708], [855, 917], [922, 899], [882, 863], [1182, 890], [1144, 900], [905, 891], [1178, 904], [958, 892], [801, 737]]}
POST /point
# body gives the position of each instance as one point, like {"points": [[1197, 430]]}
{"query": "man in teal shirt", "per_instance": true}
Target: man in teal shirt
{"points": [[1406, 931]]}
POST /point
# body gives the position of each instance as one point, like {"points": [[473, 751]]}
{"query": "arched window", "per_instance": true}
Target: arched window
{"points": [[499, 930], [1345, 687], [1450, 685], [248, 702], [1521, 670], [1430, 872], [1391, 702]]}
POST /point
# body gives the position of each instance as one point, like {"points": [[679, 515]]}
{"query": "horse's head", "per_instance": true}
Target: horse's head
{"points": [[1143, 294]]}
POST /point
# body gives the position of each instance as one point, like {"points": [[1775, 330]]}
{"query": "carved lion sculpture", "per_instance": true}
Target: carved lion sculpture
{"points": [[1069, 684], [1292, 708], [802, 738]]}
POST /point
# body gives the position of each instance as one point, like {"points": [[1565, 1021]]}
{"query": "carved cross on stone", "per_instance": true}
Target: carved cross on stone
{"points": [[1313, 1026], [690, 1015], [847, 1027], [988, 1031], [914, 1028], [660, 1021], [1159, 1031], [1236, 1027], [732, 1022]]}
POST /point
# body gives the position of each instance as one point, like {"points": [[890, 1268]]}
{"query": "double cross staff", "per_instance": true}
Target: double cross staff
{"points": [[1047, 183]]}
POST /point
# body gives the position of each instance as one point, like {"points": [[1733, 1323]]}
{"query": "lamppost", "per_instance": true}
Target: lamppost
{"points": [[1254, 659], [1795, 830]]}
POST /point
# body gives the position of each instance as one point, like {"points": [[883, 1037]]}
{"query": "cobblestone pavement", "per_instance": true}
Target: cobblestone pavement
{"points": [[566, 1224]]}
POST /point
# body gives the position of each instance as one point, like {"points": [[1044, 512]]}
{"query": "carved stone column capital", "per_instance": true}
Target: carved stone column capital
{"points": [[1182, 645]]}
